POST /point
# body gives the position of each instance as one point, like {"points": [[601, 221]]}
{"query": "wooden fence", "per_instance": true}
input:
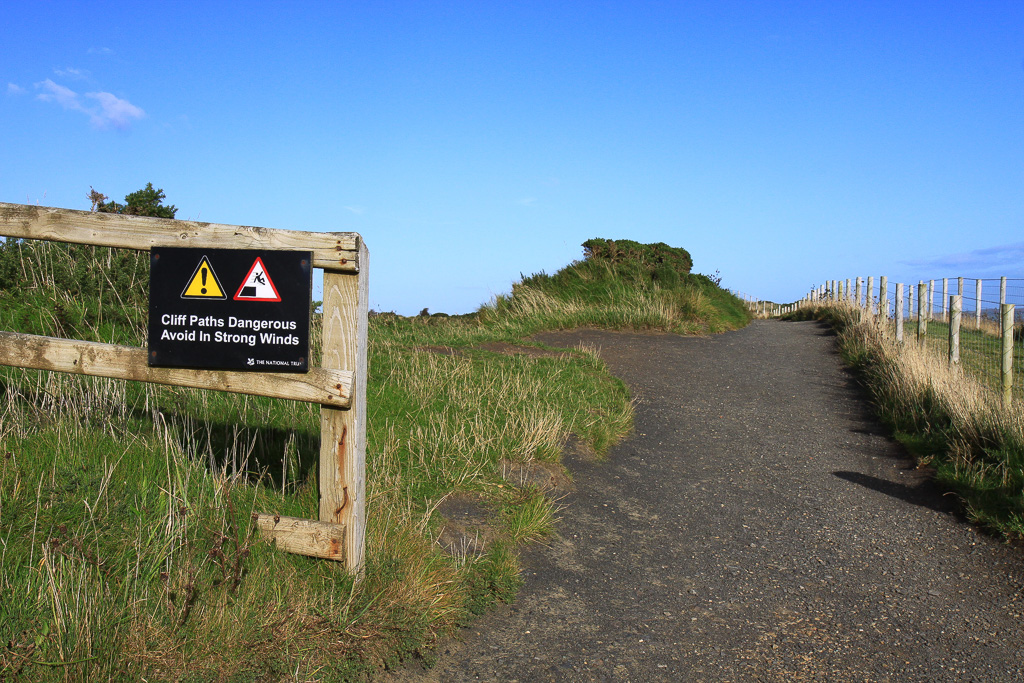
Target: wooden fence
{"points": [[338, 385]]}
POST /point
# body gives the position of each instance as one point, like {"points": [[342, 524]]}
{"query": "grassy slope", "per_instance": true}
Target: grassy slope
{"points": [[948, 419], [125, 535]]}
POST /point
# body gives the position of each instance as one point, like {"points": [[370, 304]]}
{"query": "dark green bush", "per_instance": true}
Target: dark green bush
{"points": [[649, 255]]}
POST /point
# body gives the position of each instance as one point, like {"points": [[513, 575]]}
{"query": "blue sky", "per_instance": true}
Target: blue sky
{"points": [[782, 144]]}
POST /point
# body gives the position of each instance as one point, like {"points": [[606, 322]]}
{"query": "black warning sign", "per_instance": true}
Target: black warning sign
{"points": [[195, 322]]}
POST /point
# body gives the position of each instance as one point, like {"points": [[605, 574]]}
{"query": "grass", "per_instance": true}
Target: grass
{"points": [[126, 539], [949, 418]]}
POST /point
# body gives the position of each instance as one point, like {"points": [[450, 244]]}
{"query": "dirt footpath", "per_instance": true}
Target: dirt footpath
{"points": [[758, 525]]}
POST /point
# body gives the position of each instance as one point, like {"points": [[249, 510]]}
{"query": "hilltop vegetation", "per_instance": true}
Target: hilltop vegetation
{"points": [[127, 543], [624, 284]]}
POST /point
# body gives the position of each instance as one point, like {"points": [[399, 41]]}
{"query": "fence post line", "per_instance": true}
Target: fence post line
{"points": [[859, 292], [898, 311], [343, 432], [922, 312], [1002, 290], [955, 309], [977, 303], [1007, 312], [960, 286], [869, 296]]}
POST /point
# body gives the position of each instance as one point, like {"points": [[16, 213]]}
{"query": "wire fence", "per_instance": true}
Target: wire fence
{"points": [[976, 323]]}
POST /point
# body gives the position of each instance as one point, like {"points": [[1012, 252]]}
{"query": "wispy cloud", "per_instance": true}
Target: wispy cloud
{"points": [[15, 89], [104, 109], [358, 210], [78, 74], [980, 261], [114, 111], [528, 201], [65, 97], [100, 51]]}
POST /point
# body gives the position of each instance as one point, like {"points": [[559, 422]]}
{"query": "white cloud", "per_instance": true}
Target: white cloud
{"points": [[358, 210], [104, 111], [15, 89], [528, 201], [80, 74], [100, 51], [114, 111], [65, 97]]}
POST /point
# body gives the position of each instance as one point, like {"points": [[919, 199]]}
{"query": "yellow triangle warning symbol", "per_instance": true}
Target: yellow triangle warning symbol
{"points": [[204, 283]]}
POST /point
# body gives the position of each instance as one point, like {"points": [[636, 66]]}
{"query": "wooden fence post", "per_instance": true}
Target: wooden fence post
{"points": [[931, 299], [922, 312], [1007, 312], [945, 299], [955, 308], [343, 432], [869, 296], [883, 297], [1002, 290], [898, 311], [977, 303]]}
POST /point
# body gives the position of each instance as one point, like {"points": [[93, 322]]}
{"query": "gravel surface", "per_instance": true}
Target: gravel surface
{"points": [[758, 525]]}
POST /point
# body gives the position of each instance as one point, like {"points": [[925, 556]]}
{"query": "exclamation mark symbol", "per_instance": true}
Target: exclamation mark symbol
{"points": [[202, 273]]}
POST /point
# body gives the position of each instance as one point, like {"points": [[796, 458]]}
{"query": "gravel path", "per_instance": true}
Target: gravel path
{"points": [[757, 526]]}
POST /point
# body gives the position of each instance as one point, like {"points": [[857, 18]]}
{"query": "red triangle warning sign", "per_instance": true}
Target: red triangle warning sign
{"points": [[257, 285]]}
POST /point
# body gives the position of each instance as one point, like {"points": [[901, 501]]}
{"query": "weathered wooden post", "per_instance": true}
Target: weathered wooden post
{"points": [[883, 298], [945, 299], [1002, 290], [898, 311], [977, 303], [849, 291], [922, 312], [869, 297], [955, 308], [931, 299], [343, 432], [1007, 314], [959, 286]]}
